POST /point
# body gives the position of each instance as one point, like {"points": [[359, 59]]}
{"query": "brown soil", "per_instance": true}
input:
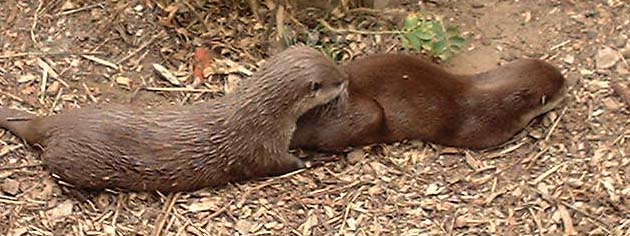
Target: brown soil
{"points": [[567, 174]]}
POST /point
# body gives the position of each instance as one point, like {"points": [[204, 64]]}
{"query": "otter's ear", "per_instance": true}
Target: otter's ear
{"points": [[314, 85]]}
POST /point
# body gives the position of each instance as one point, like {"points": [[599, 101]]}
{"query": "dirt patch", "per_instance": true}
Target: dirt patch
{"points": [[567, 173]]}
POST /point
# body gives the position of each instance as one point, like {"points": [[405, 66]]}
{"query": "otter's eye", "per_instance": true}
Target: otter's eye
{"points": [[315, 86]]}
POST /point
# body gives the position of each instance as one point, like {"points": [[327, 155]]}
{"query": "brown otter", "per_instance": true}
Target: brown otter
{"points": [[393, 97], [243, 135]]}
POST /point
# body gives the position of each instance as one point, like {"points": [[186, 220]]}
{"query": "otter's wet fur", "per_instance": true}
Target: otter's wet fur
{"points": [[242, 135], [394, 97]]}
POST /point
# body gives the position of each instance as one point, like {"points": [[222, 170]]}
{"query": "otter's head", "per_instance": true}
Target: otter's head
{"points": [[303, 78], [534, 87]]}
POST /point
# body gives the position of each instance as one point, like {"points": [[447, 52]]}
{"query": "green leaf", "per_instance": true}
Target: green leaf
{"points": [[415, 41], [426, 25], [405, 42], [411, 22], [457, 41], [438, 47], [422, 34], [438, 30], [428, 47]]}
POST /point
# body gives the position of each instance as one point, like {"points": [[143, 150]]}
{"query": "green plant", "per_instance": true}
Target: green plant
{"points": [[431, 36]]}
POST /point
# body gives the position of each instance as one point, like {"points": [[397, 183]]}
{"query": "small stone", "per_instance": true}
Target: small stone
{"points": [[75, 63], [138, 8], [626, 53], [606, 58], [527, 17], [569, 59], [122, 80], [591, 34], [537, 134], [109, 230], [586, 72], [11, 186], [478, 4], [619, 41], [68, 5], [590, 13]]}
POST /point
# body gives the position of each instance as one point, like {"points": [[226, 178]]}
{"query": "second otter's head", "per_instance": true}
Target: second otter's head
{"points": [[538, 86], [301, 78], [525, 88]]}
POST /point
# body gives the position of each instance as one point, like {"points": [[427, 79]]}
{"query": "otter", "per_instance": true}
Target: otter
{"points": [[239, 136], [394, 97]]}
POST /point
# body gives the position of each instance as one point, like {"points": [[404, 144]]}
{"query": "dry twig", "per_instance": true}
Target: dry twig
{"points": [[168, 205]]}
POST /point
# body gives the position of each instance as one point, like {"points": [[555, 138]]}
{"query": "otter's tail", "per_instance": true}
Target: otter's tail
{"points": [[19, 123]]}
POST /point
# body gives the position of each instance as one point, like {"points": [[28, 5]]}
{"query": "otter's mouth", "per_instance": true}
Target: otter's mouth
{"points": [[342, 95], [555, 102]]}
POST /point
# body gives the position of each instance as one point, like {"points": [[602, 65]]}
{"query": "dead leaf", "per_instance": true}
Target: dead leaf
{"points": [[61, 210], [26, 78], [204, 205], [352, 224], [11, 186], [606, 58], [270, 225], [232, 83], [18, 231], [244, 226], [109, 230], [47, 191], [355, 156], [432, 189], [53, 88], [311, 221], [202, 63], [380, 169]]}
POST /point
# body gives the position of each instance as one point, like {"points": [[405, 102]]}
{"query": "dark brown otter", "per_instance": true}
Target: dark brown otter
{"points": [[393, 97], [243, 135]]}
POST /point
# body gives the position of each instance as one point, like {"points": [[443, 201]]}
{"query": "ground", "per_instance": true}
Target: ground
{"points": [[566, 174]]}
